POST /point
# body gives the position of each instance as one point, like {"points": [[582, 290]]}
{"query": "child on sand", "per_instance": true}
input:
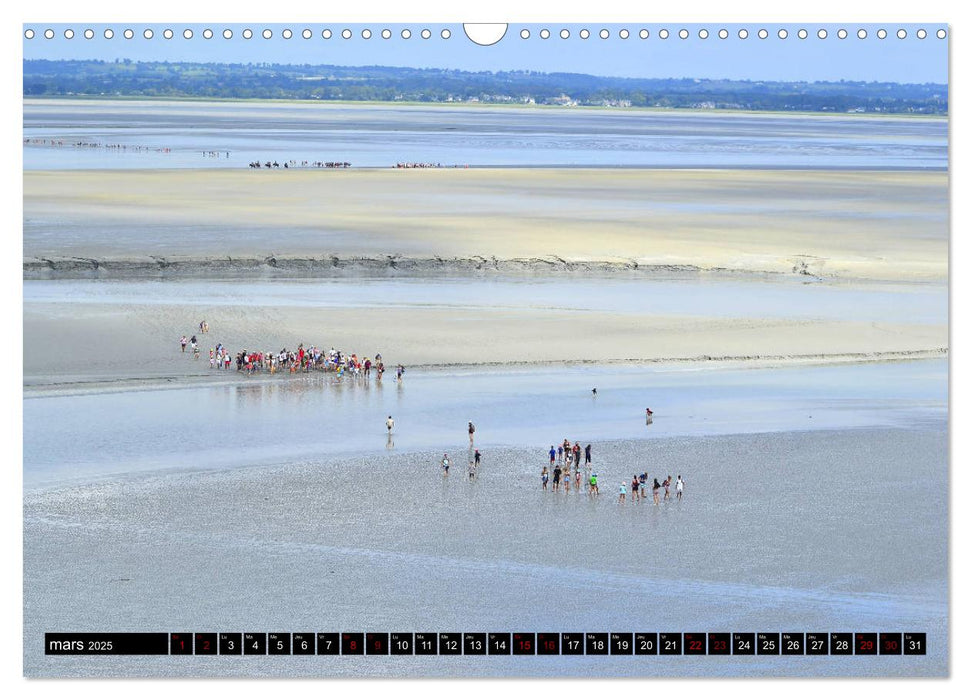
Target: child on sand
{"points": [[546, 477], [679, 487], [445, 465], [623, 492], [594, 489]]}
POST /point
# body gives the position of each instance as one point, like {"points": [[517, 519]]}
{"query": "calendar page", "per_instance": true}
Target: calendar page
{"points": [[422, 350]]}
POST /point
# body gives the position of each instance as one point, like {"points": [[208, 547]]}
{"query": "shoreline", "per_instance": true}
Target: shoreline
{"points": [[232, 378]]}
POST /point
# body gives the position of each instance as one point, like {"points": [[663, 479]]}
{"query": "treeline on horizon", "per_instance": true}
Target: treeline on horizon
{"points": [[126, 78]]}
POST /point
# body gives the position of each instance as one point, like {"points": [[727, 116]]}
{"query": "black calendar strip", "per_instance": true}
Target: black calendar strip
{"points": [[487, 643]]}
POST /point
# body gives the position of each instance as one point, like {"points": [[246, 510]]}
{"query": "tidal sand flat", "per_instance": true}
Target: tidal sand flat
{"points": [[198, 134], [816, 530], [862, 224], [788, 327]]}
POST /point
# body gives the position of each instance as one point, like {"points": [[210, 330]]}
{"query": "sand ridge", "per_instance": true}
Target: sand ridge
{"points": [[866, 224]]}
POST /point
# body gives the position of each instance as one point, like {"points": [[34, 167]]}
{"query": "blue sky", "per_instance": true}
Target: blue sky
{"points": [[890, 59]]}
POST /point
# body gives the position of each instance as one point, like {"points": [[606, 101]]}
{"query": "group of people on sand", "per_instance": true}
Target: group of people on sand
{"points": [[193, 343], [475, 459], [564, 468], [639, 486], [301, 164], [406, 166], [564, 458], [305, 360], [130, 148], [300, 360]]}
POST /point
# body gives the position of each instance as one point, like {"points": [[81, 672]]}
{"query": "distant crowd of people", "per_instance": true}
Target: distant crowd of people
{"points": [[426, 165], [640, 484], [126, 147], [565, 457], [301, 164], [564, 469], [303, 359]]}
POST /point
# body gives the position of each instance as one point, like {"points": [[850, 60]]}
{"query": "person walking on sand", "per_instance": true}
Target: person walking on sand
{"points": [[183, 342], [594, 489], [552, 455], [649, 416], [679, 487], [633, 489], [445, 465], [559, 453], [657, 486], [478, 457], [586, 465], [667, 488], [390, 424], [556, 477], [566, 481], [471, 433], [545, 475], [576, 476], [623, 492]]}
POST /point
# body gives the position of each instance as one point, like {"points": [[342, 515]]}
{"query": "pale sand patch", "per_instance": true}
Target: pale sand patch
{"points": [[886, 225], [90, 342]]}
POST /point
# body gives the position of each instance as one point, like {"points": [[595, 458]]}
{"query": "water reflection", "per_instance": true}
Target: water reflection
{"points": [[277, 421]]}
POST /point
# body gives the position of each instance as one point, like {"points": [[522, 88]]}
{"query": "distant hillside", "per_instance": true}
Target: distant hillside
{"points": [[380, 83]]}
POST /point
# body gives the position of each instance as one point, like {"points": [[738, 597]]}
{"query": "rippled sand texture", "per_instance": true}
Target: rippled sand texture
{"points": [[815, 531], [885, 225]]}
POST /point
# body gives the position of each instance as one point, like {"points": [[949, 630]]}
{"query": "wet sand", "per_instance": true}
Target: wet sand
{"points": [[769, 537], [848, 224]]}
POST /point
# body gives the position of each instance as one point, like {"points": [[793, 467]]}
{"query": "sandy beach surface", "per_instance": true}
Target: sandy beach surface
{"points": [[790, 329], [93, 343], [382, 542], [860, 224]]}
